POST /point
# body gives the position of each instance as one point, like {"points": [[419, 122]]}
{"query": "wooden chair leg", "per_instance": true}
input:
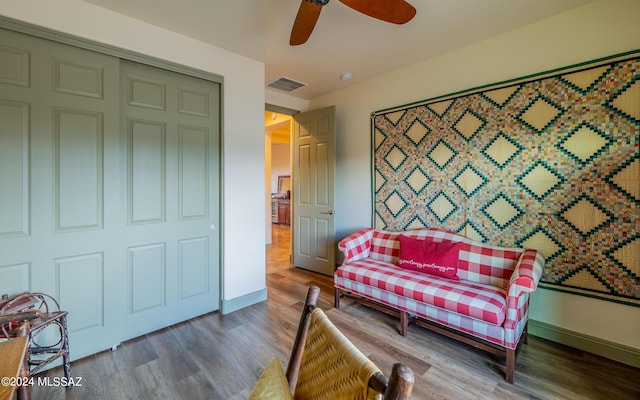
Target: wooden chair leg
{"points": [[336, 298], [65, 349], [404, 323], [511, 365]]}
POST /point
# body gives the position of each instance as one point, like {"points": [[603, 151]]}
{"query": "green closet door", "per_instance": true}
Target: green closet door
{"points": [[59, 218], [170, 136], [109, 189]]}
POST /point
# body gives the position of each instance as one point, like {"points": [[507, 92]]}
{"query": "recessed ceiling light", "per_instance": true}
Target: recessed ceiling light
{"points": [[346, 76]]}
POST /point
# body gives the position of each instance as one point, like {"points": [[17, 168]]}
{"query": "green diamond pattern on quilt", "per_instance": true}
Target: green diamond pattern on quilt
{"points": [[550, 162]]}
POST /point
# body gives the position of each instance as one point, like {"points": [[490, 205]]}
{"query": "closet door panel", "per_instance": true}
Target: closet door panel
{"points": [[170, 123], [14, 168], [58, 226]]}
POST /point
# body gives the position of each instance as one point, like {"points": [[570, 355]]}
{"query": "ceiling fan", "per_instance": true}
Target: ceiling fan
{"points": [[394, 11]]}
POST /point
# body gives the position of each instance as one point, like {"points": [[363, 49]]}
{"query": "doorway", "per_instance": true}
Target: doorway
{"points": [[307, 207], [278, 127]]}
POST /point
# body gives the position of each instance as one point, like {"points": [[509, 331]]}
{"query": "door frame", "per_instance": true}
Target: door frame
{"points": [[110, 50], [291, 112], [294, 171]]}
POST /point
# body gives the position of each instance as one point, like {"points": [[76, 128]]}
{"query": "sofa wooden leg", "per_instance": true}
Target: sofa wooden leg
{"points": [[336, 298], [404, 323], [511, 365]]}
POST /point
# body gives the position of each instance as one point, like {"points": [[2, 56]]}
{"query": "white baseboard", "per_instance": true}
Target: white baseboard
{"points": [[231, 305], [614, 351]]}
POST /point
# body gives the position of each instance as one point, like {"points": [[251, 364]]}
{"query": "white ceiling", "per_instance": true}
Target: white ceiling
{"points": [[343, 40]]}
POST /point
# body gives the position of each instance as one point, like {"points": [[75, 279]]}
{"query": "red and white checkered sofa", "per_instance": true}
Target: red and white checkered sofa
{"points": [[487, 307]]}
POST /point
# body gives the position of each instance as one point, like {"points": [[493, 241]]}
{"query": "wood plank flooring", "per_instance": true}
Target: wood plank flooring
{"points": [[218, 356], [279, 255]]}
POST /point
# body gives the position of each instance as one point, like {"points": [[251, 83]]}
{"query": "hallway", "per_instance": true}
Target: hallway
{"points": [[279, 255]]}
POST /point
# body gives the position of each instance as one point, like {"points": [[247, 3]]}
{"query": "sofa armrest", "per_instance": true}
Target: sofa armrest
{"points": [[524, 280], [356, 246], [527, 273]]}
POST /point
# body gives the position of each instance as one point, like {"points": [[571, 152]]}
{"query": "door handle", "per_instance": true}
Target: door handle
{"points": [[330, 212]]}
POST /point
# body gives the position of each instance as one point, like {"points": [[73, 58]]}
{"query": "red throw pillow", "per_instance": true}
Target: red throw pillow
{"points": [[426, 255]]}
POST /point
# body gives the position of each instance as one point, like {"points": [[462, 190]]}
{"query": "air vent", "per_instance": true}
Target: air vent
{"points": [[286, 84]]}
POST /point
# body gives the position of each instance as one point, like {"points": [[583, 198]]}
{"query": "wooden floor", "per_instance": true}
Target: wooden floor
{"points": [[221, 356], [279, 255]]}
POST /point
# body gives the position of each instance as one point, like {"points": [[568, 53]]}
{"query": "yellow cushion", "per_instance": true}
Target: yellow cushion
{"points": [[272, 384]]}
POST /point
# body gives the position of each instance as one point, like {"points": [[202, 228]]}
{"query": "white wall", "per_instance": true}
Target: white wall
{"points": [[599, 29], [243, 130], [286, 100]]}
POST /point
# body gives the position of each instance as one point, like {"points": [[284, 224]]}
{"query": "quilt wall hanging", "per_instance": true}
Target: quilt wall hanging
{"points": [[548, 162]]}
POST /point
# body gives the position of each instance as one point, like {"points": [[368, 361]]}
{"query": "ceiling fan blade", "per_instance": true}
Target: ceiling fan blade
{"points": [[394, 11], [304, 23]]}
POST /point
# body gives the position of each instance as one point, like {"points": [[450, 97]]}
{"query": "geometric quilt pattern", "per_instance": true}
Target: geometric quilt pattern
{"points": [[550, 162]]}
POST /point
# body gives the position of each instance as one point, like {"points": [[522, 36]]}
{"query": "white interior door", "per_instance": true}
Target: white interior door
{"points": [[313, 166]]}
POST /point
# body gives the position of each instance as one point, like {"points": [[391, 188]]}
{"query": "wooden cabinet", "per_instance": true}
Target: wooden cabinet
{"points": [[281, 209]]}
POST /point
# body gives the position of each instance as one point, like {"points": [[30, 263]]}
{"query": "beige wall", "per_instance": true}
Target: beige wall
{"points": [[286, 100], [599, 29], [280, 163]]}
